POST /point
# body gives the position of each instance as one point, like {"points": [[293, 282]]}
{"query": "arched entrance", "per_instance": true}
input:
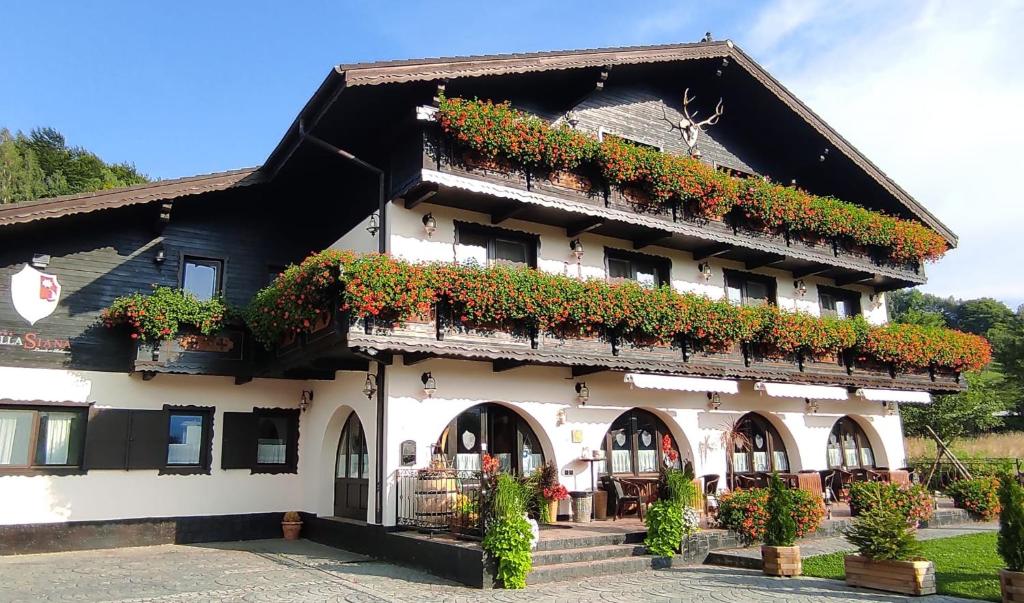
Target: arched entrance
{"points": [[849, 447], [633, 445], [757, 447], [352, 471], [496, 430]]}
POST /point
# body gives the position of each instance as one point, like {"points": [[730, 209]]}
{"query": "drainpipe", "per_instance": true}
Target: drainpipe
{"points": [[378, 497]]}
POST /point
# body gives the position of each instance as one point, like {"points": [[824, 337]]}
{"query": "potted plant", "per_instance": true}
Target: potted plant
{"points": [[550, 491], [1011, 539], [553, 496], [291, 525], [779, 554], [888, 554]]}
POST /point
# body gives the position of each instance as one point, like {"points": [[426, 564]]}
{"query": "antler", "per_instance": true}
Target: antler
{"points": [[692, 118]]}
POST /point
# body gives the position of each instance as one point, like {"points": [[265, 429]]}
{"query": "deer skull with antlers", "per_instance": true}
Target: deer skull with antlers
{"points": [[689, 127]]}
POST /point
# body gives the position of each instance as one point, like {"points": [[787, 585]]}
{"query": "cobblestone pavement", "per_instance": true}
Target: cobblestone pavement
{"points": [[276, 570]]}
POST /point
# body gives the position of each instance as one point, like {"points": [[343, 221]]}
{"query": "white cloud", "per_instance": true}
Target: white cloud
{"points": [[934, 94]]}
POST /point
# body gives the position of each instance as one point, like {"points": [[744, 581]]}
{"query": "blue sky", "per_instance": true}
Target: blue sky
{"points": [[931, 91]]}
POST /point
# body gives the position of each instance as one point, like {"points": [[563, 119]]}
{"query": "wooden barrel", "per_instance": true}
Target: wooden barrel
{"points": [[435, 496]]}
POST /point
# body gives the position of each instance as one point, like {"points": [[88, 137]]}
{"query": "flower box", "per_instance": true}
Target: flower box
{"points": [[456, 334], [905, 577], [781, 560], [1012, 586], [566, 343], [578, 183], [664, 352]]}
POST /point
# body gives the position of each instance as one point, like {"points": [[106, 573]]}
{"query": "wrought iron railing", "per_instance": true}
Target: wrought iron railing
{"points": [[440, 500]]}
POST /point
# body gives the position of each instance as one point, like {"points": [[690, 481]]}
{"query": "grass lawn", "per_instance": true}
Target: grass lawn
{"points": [[965, 566]]}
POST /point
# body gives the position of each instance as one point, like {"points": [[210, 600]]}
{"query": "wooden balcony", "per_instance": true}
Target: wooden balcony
{"points": [[430, 168], [229, 353]]}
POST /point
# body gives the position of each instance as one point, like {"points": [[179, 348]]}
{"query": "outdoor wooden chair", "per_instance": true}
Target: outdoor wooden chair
{"points": [[626, 494], [746, 481], [845, 479]]}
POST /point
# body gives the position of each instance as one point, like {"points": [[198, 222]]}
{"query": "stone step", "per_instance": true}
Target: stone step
{"points": [[590, 540], [594, 553], [589, 569]]}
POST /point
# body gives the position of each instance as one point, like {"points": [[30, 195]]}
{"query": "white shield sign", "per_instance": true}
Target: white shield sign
{"points": [[35, 294]]}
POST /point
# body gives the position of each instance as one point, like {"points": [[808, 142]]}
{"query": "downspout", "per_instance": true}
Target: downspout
{"points": [[378, 496]]}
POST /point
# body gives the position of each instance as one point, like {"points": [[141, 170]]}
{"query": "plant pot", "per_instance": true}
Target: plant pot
{"points": [[552, 511], [291, 529], [781, 560], [904, 577], [1012, 585]]}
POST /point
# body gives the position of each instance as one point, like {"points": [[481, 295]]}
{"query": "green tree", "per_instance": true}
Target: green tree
{"points": [[966, 413]]}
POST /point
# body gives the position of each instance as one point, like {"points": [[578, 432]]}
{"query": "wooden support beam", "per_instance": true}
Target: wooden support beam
{"points": [[502, 365], [411, 358], [811, 271], [655, 237], [709, 251], [583, 371], [855, 277], [766, 260], [420, 194], [242, 380], [577, 228], [507, 211]]}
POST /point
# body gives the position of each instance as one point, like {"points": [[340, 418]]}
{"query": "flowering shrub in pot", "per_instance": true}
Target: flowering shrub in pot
{"points": [[979, 496], [888, 554], [164, 313], [745, 512], [779, 554], [914, 502]]}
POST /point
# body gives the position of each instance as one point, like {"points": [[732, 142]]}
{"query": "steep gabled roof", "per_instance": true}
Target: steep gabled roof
{"points": [[152, 192], [396, 72]]}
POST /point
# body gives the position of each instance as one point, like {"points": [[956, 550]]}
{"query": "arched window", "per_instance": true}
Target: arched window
{"points": [[352, 471], [496, 430], [849, 447], [633, 444], [759, 448]]}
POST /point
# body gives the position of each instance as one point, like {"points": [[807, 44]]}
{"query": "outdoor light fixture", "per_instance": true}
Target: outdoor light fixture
{"points": [[801, 287], [812, 406], [582, 393], [875, 299], [373, 226], [714, 400], [306, 400], [560, 417], [823, 156], [40, 260], [429, 225], [161, 255], [577, 249], [889, 407], [429, 385], [725, 63], [704, 269], [573, 118], [370, 386]]}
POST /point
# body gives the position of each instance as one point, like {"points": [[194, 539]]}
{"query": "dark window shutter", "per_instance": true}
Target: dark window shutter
{"points": [[238, 448], [147, 441], [106, 439]]}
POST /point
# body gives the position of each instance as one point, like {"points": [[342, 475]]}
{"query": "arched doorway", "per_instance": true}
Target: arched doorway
{"points": [[352, 471], [633, 445], [757, 447], [849, 447], [496, 430]]}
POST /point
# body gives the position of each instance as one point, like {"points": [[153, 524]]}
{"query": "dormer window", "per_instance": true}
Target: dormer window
{"points": [[603, 135], [840, 303], [494, 246], [649, 271], [747, 289]]}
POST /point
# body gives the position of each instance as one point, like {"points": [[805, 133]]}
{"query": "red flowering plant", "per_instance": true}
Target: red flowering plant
{"points": [[500, 131], [913, 501], [669, 455], [164, 313], [746, 513], [556, 492], [979, 496], [490, 464], [912, 346]]}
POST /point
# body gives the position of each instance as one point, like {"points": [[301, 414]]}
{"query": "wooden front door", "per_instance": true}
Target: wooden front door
{"points": [[352, 472]]}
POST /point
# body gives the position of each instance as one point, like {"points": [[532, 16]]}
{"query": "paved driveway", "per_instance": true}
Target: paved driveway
{"points": [[276, 570]]}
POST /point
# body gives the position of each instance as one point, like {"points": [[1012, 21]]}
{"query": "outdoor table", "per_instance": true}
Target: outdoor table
{"points": [[593, 476], [896, 476]]}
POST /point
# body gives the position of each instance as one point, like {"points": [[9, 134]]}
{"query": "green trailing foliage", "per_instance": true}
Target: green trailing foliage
{"points": [[508, 536], [670, 518], [164, 314], [883, 534], [1011, 523], [781, 527]]}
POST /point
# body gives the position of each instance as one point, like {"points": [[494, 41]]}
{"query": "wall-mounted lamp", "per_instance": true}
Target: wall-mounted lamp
{"points": [[560, 417], [704, 269], [572, 118], [811, 405], [373, 225], [40, 260], [161, 255], [714, 400], [429, 384], [306, 400], [823, 156], [890, 408], [429, 225], [370, 386], [577, 249], [582, 393], [725, 63], [800, 287], [875, 299]]}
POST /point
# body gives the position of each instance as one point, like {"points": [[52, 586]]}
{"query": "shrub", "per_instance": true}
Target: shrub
{"points": [[507, 538], [1011, 523], [913, 502], [883, 534], [745, 512], [979, 496], [664, 527], [162, 314], [780, 530]]}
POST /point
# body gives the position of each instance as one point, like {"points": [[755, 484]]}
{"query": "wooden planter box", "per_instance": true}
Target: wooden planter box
{"points": [[781, 560], [1012, 585], [904, 577]]}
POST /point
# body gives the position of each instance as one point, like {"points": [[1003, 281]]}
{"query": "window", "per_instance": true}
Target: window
{"points": [[759, 448], [353, 457], [633, 445], [189, 436], [848, 446], [263, 441], [749, 289], [202, 277], [649, 271], [41, 438], [841, 303], [603, 134], [491, 246]]}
